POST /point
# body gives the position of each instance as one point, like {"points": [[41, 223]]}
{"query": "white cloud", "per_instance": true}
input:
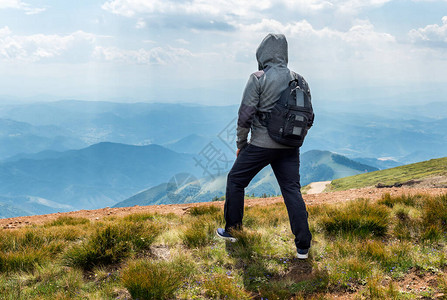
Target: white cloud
{"points": [[36, 47], [17, 4], [5, 31], [224, 14], [354, 6], [361, 39], [434, 34], [157, 55], [182, 41], [337, 6], [130, 8], [140, 24]]}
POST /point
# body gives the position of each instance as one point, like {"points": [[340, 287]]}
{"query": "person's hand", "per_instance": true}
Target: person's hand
{"points": [[238, 151]]}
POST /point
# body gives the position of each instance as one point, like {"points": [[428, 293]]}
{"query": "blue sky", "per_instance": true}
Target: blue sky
{"points": [[202, 51]]}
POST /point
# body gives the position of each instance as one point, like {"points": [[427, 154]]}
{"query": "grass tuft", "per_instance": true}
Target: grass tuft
{"points": [[435, 211], [140, 217], [204, 210], [408, 200], [61, 221], [21, 261], [110, 245], [199, 234], [148, 279], [359, 218], [222, 286]]}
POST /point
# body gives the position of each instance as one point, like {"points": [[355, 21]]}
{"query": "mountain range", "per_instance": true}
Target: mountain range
{"points": [[66, 155], [405, 134], [315, 166], [93, 177], [105, 174]]}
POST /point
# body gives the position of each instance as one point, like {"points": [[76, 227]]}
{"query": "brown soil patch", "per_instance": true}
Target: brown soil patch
{"points": [[180, 209]]}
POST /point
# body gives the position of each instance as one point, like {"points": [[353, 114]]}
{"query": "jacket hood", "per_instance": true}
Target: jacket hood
{"points": [[272, 51]]}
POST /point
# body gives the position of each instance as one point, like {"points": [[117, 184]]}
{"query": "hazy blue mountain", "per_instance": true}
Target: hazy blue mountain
{"points": [[374, 136], [315, 166], [129, 123], [151, 195], [10, 211], [27, 206], [93, 177], [374, 129], [380, 164], [20, 137], [319, 165], [191, 144], [46, 154]]}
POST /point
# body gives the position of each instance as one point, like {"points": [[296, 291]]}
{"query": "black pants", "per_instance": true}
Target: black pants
{"points": [[285, 164]]}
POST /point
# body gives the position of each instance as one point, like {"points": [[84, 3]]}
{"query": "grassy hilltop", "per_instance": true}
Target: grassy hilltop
{"points": [[397, 175], [394, 248]]}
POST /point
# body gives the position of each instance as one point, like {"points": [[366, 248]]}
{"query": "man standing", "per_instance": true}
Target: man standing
{"points": [[262, 91]]}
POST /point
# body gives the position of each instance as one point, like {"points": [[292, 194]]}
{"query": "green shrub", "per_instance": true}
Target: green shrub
{"points": [[23, 239], [432, 233], [435, 211], [405, 227], [154, 279], [67, 233], [249, 244], [271, 216], [141, 217], [434, 218], [104, 248], [23, 249], [111, 245], [61, 221], [373, 249], [220, 286], [357, 218], [408, 200], [204, 210], [13, 261], [198, 234]]}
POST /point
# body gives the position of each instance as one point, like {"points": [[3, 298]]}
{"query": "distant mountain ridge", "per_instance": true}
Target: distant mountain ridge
{"points": [[127, 123], [48, 149], [315, 166], [17, 137], [27, 206], [93, 177], [406, 134]]}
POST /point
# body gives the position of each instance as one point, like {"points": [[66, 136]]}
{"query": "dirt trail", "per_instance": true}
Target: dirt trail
{"points": [[310, 199], [318, 187]]}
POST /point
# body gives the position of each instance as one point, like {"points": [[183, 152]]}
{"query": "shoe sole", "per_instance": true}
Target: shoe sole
{"points": [[231, 239], [303, 256]]}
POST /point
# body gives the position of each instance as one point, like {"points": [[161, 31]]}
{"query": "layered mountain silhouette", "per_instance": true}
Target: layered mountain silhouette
{"points": [[28, 205], [21, 137], [93, 177], [117, 153], [404, 133], [315, 166]]}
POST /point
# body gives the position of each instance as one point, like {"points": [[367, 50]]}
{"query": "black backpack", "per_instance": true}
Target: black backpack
{"points": [[292, 115]]}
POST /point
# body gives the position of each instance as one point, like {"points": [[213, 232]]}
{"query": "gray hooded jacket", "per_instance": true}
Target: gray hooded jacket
{"points": [[263, 89]]}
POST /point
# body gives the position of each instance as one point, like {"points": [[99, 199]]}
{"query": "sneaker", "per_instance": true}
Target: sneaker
{"points": [[225, 235], [303, 253]]}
